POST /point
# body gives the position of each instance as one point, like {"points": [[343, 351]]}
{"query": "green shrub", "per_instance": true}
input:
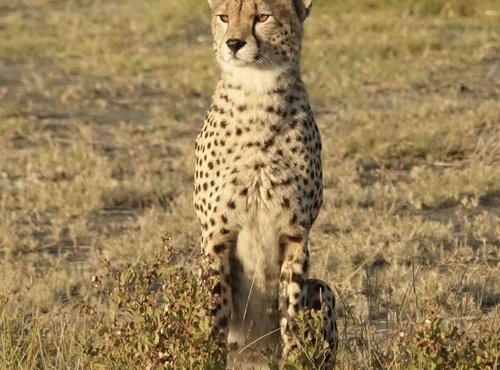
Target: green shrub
{"points": [[157, 316], [312, 351], [437, 344]]}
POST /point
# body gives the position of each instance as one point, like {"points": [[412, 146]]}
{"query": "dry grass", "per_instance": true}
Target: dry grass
{"points": [[100, 102]]}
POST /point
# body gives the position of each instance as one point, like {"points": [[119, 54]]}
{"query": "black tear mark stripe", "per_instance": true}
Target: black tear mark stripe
{"points": [[254, 34]]}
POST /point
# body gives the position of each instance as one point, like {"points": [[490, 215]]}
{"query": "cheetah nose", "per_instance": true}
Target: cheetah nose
{"points": [[235, 44]]}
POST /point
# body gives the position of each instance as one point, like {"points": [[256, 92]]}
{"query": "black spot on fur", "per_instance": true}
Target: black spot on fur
{"points": [[222, 322], [219, 248]]}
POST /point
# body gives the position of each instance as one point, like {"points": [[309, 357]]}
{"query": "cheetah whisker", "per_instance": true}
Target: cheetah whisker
{"points": [[264, 60]]}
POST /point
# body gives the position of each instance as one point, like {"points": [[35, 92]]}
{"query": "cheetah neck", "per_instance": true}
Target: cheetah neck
{"points": [[258, 93], [255, 81]]}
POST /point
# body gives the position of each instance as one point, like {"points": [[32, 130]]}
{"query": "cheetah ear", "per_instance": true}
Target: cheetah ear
{"points": [[308, 5], [214, 3], [303, 8]]}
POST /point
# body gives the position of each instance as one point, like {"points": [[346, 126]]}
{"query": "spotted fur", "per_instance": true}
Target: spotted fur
{"points": [[258, 178]]}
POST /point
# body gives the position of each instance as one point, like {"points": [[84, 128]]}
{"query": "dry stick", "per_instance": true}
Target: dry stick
{"points": [[349, 311], [481, 296], [393, 339], [460, 284], [368, 341], [389, 305], [184, 232], [398, 315], [251, 289], [414, 284], [369, 294], [258, 339], [40, 347], [305, 352], [248, 299]]}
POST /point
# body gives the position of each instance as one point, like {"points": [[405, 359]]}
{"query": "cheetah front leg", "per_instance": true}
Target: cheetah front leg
{"points": [[222, 290], [294, 270]]}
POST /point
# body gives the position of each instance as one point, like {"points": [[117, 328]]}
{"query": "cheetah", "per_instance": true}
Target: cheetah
{"points": [[258, 178]]}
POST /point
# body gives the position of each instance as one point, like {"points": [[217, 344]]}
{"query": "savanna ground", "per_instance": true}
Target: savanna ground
{"points": [[100, 103]]}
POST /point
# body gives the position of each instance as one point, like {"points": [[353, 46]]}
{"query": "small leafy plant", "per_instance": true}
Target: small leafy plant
{"points": [[157, 316], [312, 351], [438, 345]]}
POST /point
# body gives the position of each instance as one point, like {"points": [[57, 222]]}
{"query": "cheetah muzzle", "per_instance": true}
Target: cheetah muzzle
{"points": [[258, 178]]}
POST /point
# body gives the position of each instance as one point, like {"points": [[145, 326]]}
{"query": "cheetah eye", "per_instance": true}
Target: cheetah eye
{"points": [[261, 18], [224, 18]]}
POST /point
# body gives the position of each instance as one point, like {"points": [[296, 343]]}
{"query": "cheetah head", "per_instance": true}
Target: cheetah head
{"points": [[263, 34]]}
